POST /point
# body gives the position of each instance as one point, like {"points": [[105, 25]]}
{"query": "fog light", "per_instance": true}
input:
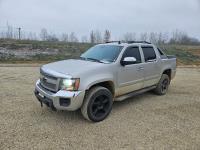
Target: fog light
{"points": [[64, 102]]}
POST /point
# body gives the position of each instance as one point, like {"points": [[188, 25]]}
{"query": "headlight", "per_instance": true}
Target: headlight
{"points": [[70, 84]]}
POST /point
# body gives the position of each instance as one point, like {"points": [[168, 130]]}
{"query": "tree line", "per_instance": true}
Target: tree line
{"points": [[95, 36]]}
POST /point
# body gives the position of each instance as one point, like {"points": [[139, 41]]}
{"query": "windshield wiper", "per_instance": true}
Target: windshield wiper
{"points": [[92, 59], [96, 60], [83, 58]]}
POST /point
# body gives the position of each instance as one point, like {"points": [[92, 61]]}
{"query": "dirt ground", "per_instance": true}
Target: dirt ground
{"points": [[143, 122]]}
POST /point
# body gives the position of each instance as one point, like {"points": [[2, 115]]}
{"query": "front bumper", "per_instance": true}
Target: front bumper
{"points": [[53, 100]]}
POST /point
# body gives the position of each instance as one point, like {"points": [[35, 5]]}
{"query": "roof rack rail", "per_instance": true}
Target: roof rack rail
{"points": [[129, 42], [119, 42]]}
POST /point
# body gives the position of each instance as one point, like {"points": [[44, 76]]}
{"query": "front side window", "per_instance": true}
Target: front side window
{"points": [[133, 52], [104, 53], [149, 53]]}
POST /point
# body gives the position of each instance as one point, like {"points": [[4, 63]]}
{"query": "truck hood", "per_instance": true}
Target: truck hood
{"points": [[71, 67]]}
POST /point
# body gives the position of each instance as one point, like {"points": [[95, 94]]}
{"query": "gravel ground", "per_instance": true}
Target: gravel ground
{"points": [[143, 122]]}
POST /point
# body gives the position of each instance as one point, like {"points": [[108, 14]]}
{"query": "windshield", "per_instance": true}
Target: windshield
{"points": [[103, 53]]}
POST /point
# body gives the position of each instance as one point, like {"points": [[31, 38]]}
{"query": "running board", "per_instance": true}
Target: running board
{"points": [[129, 95]]}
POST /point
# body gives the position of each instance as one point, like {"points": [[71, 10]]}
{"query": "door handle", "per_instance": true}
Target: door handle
{"points": [[153, 60], [140, 68]]}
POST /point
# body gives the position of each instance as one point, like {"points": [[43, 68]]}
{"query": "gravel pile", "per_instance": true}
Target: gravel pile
{"points": [[25, 53]]}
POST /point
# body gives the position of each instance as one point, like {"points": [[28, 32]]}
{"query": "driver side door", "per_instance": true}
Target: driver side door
{"points": [[131, 77]]}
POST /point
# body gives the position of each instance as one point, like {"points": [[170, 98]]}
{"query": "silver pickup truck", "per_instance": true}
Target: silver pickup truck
{"points": [[103, 74]]}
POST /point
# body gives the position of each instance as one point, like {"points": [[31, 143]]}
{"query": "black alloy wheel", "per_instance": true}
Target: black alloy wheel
{"points": [[97, 104]]}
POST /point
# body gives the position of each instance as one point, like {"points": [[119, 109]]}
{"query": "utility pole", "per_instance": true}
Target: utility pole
{"points": [[19, 32]]}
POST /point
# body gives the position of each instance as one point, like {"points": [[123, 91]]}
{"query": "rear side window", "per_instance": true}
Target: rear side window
{"points": [[133, 52], [149, 53]]}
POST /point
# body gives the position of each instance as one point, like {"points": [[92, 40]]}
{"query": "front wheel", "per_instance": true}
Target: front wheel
{"points": [[163, 85], [97, 104]]}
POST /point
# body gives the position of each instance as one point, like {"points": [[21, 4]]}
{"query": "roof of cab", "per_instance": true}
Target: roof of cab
{"points": [[129, 43]]}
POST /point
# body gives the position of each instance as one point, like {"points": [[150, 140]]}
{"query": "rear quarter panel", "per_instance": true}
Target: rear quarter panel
{"points": [[169, 63]]}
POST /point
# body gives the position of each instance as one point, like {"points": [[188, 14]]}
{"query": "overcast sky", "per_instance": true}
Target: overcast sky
{"points": [[119, 16]]}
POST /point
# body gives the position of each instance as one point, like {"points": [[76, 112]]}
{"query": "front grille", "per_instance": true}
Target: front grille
{"points": [[46, 84], [47, 75], [49, 82]]}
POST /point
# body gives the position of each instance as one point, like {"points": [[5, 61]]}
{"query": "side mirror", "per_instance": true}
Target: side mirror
{"points": [[128, 61]]}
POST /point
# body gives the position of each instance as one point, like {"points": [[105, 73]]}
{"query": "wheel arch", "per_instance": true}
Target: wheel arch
{"points": [[168, 72], [107, 84]]}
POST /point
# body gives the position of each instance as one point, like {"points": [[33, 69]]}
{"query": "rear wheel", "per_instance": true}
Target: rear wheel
{"points": [[163, 85], [97, 104]]}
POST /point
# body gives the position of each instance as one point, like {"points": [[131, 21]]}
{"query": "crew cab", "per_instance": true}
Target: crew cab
{"points": [[103, 74]]}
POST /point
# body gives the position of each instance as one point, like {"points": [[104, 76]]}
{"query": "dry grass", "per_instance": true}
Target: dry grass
{"points": [[27, 51]]}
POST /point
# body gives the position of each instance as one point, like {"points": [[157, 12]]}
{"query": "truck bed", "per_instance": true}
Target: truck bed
{"points": [[171, 56]]}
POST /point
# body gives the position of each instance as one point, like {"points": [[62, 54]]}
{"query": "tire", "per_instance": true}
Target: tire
{"points": [[163, 85], [97, 104]]}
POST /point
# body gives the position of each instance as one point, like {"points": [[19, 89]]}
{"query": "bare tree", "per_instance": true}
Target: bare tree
{"points": [[9, 33], [165, 37], [15, 34], [144, 36], [72, 37], [23, 35], [84, 39], [92, 37], [153, 38], [98, 37], [52, 37], [107, 36], [160, 38], [30, 36], [130, 36], [43, 34], [2, 35], [65, 37], [34, 36], [179, 37]]}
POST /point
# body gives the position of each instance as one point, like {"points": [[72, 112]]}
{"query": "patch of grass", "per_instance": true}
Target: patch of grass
{"points": [[186, 55], [183, 54], [18, 44]]}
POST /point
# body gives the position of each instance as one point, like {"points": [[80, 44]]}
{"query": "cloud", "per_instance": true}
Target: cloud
{"points": [[119, 16], [198, 1]]}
